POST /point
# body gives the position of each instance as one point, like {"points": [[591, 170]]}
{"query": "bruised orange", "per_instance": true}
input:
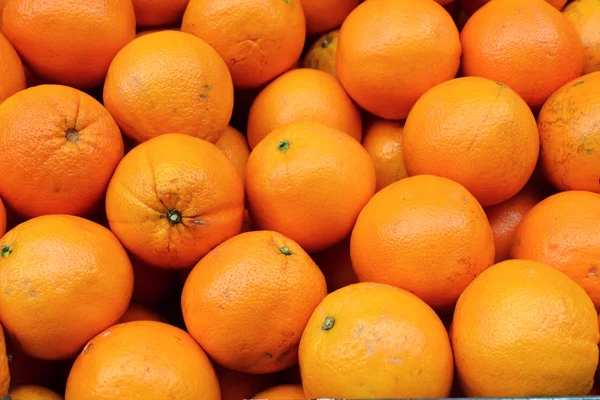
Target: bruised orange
{"points": [[323, 53]]}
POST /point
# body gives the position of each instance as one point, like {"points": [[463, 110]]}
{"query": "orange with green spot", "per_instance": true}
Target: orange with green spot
{"points": [[322, 54]]}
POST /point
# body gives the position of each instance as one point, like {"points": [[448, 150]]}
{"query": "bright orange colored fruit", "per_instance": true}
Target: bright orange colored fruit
{"points": [[32, 392], [529, 324], [64, 147], [390, 52], [12, 74], [281, 392], [323, 53], [585, 17], [258, 39], [173, 198], [383, 141], [227, 288], [470, 6], [235, 146], [151, 285], [158, 12], [336, 265], [424, 234], [237, 385], [375, 341], [68, 41], [475, 131], [136, 312], [167, 82], [309, 182], [324, 15]]}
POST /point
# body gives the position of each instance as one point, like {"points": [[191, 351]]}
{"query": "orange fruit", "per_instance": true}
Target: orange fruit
{"points": [[322, 16], [235, 146], [470, 6], [27, 370], [151, 286], [424, 234], [158, 12], [33, 392], [529, 324], [562, 231], [584, 15], [236, 385], [281, 392], [11, 69], [167, 82], [309, 182], [55, 269], [142, 360], [303, 94], [390, 52], [258, 39], [173, 198], [336, 265], [322, 54], [136, 312], [64, 148], [375, 341], [501, 43], [475, 131], [227, 288], [67, 41]]}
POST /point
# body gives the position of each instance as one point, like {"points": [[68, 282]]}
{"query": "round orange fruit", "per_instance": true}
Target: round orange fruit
{"points": [[235, 147], [281, 392], [150, 13], [136, 312], [32, 392], [324, 15], [12, 74], [585, 17], [470, 6], [323, 53]]}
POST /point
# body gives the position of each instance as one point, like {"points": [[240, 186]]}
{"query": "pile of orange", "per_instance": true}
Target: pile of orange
{"points": [[290, 199]]}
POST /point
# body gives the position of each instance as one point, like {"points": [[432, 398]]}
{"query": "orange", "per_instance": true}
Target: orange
{"points": [[299, 95], [470, 6], [64, 148], [585, 17], [236, 385], [11, 69], [173, 198], [68, 41], [55, 270], [167, 82], [151, 286], [562, 231], [475, 131], [309, 182], [27, 370], [142, 360], [500, 42], [375, 341], [570, 141], [258, 39], [524, 329], [322, 54], [281, 392], [322, 16], [33, 392], [136, 312], [383, 141], [235, 147], [424, 234], [263, 284], [158, 12], [336, 265], [390, 52]]}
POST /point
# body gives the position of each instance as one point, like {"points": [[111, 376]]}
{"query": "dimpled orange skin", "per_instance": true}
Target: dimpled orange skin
{"points": [[529, 324], [69, 42], [258, 39], [303, 94], [475, 131], [142, 360], [235, 147], [61, 148], [424, 234], [229, 287], [166, 82], [33, 392], [309, 182], [322, 16], [529, 46], [158, 12], [322, 54], [390, 52], [58, 268], [174, 172], [562, 231], [384, 343], [12, 74], [585, 17], [136, 312], [282, 392]]}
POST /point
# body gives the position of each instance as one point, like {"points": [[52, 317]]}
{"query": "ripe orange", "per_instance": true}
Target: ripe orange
{"points": [[375, 341], [68, 41], [235, 147], [12, 74], [475, 131], [167, 82], [33, 392], [173, 198], [258, 39], [64, 148], [228, 288], [151, 286], [336, 265], [322, 16], [142, 360], [281, 392], [424, 234], [390, 52], [65, 280], [236, 385], [322, 54], [501, 43], [309, 182], [136, 312], [158, 12], [303, 94], [470, 6], [528, 324], [585, 17]]}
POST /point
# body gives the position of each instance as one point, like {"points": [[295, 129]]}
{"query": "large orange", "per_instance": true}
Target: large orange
{"points": [[500, 42], [281, 392], [248, 301], [150, 13], [585, 17], [33, 392], [65, 280], [309, 182], [390, 52], [64, 147], [336, 265], [12, 74], [142, 360], [375, 341], [258, 39], [523, 329], [324, 15], [69, 41], [424, 234], [322, 54], [167, 82], [174, 198], [235, 146], [470, 6], [475, 131], [237, 385]]}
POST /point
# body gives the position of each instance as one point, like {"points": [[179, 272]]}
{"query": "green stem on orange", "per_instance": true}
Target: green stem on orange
{"points": [[174, 217]]}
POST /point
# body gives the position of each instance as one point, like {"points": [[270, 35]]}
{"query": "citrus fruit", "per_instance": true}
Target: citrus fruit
{"points": [[237, 385], [322, 54], [336, 265], [322, 16], [235, 146], [158, 12], [11, 70], [281, 392], [32, 392], [136, 312], [585, 17], [470, 6]]}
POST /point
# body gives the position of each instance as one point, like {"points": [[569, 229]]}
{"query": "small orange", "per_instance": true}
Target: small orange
{"points": [[136, 312], [158, 12], [151, 286], [375, 341], [585, 17], [12, 74], [524, 329], [32, 392], [336, 265], [470, 6], [281, 392], [235, 147], [322, 54], [303, 94], [237, 385], [322, 16]]}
